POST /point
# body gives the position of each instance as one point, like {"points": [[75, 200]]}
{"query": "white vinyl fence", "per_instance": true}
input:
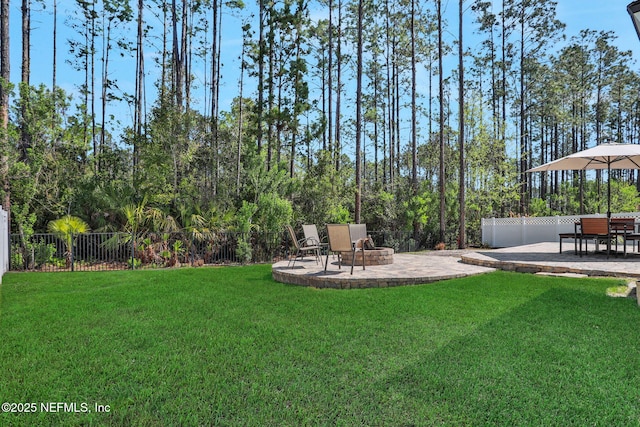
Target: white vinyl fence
{"points": [[4, 242], [506, 232]]}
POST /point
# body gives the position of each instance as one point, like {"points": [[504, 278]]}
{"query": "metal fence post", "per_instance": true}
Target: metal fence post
{"points": [[133, 250], [192, 255], [72, 250], [5, 243]]}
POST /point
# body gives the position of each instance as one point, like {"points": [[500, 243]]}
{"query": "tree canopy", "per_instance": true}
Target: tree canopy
{"points": [[341, 111]]}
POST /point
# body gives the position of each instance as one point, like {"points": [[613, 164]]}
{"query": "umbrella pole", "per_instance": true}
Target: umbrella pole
{"points": [[609, 187]]}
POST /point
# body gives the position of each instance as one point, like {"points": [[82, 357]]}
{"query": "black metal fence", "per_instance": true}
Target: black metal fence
{"points": [[119, 251]]}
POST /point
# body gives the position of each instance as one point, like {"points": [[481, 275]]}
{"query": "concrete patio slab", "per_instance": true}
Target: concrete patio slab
{"points": [[544, 257]]}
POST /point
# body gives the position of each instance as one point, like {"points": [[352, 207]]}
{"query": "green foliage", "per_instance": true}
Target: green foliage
{"points": [[45, 163], [44, 253], [244, 217], [339, 215], [142, 217], [418, 209], [178, 247], [244, 224], [379, 210], [272, 213], [624, 197], [66, 228], [185, 158], [135, 264], [24, 188], [493, 191], [567, 201], [193, 174], [16, 260], [538, 207], [325, 196], [261, 180], [244, 251]]}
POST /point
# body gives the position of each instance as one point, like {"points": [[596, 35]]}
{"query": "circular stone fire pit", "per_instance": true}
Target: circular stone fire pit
{"points": [[376, 256]]}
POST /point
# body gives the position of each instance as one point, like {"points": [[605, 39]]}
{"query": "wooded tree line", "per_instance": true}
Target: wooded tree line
{"points": [[350, 117]]}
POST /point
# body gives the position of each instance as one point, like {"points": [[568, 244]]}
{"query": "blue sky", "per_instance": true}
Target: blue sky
{"points": [[607, 15]]}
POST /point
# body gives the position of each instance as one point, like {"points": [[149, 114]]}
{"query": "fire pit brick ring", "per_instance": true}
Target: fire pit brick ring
{"points": [[375, 256]]}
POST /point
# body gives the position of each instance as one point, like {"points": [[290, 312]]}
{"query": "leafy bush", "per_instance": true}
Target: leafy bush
{"points": [[44, 253], [272, 213], [339, 215], [244, 251], [136, 263], [16, 260], [65, 228]]}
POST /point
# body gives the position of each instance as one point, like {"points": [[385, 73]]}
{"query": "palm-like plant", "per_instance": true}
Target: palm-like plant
{"points": [[66, 228]]}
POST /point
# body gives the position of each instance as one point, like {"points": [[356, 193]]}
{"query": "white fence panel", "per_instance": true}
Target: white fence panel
{"points": [[507, 232], [4, 242]]}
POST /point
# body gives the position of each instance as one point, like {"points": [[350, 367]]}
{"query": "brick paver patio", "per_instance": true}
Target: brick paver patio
{"points": [[431, 266]]}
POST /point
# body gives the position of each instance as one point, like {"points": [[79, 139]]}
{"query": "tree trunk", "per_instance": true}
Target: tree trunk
{"points": [[105, 84], [441, 178], [462, 241], [358, 200], [176, 83], [92, 68], [323, 85], [375, 126], [261, 51], [215, 90], [503, 83], [54, 65], [55, 46], [389, 129], [524, 154], [397, 120], [5, 77], [26, 37], [25, 138], [185, 45], [240, 116], [165, 31], [271, 84], [330, 81], [414, 108], [139, 88], [337, 141]]}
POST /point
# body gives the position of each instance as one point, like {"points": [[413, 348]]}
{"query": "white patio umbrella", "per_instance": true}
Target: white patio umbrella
{"points": [[603, 156]]}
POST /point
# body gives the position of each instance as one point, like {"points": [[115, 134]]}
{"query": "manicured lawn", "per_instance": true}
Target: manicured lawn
{"points": [[229, 346]]}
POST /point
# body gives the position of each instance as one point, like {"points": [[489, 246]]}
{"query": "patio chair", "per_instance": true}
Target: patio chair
{"points": [[360, 238], [302, 247], [625, 228], [596, 229], [574, 236], [340, 241], [358, 234], [312, 237]]}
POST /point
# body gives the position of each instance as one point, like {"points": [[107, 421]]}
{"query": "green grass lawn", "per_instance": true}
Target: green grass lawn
{"points": [[229, 346]]}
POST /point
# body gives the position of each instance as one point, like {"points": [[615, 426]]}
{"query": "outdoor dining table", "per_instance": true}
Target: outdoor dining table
{"points": [[626, 228]]}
